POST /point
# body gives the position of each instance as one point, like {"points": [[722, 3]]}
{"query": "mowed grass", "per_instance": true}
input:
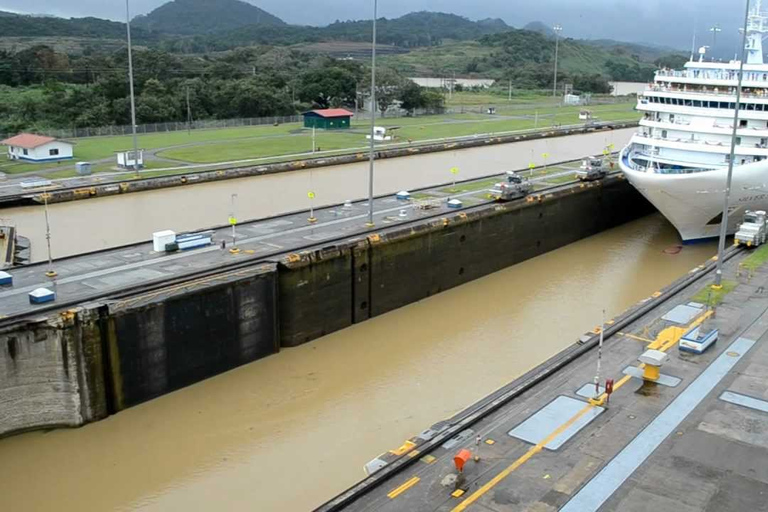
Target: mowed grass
{"points": [[413, 129], [279, 142], [756, 259], [712, 297]]}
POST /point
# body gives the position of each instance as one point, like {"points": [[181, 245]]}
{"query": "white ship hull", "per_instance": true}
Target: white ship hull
{"points": [[693, 202]]}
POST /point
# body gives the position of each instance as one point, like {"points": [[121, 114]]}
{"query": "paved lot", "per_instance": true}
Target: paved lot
{"points": [[92, 275], [652, 448]]}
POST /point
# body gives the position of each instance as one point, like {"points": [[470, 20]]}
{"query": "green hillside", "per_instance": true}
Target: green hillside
{"points": [[527, 58], [188, 17], [18, 25]]}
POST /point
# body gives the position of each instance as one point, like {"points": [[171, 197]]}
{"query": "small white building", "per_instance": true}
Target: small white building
{"points": [[38, 148], [572, 99], [129, 159]]}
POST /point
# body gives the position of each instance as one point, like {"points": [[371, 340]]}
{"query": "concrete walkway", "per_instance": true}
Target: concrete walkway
{"points": [[652, 447], [85, 277]]}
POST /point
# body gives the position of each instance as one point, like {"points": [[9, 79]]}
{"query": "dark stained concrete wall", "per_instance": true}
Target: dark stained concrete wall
{"points": [[322, 293], [162, 342]]}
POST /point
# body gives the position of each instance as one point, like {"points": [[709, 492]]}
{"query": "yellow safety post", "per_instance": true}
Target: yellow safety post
{"points": [[651, 372], [312, 218]]}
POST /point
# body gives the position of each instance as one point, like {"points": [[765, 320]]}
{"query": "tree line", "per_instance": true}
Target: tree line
{"points": [[40, 88]]}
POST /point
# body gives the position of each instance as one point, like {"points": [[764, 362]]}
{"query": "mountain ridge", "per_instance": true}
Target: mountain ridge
{"points": [[194, 17]]}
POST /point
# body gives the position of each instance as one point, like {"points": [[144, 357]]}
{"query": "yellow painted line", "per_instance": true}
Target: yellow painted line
{"points": [[519, 462], [634, 337], [490, 441], [394, 493], [428, 459], [413, 453], [666, 339]]}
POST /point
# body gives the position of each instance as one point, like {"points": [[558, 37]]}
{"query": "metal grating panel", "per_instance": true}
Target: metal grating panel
{"points": [[538, 427]]}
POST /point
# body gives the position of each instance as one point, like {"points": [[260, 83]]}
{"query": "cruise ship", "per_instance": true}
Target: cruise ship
{"points": [[679, 157]]}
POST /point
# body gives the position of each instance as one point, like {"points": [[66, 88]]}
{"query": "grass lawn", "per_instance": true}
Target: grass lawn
{"points": [[714, 297], [557, 180], [756, 259], [231, 144], [471, 186]]}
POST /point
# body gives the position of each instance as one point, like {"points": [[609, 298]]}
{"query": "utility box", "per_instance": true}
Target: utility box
{"points": [[83, 168], [161, 239], [41, 296]]}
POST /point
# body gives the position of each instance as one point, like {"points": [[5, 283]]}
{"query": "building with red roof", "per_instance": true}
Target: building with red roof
{"points": [[328, 119], [37, 148]]}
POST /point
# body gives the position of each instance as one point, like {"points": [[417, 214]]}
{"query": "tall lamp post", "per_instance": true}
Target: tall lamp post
{"points": [[373, 116], [130, 81], [714, 31], [729, 178], [557, 29]]}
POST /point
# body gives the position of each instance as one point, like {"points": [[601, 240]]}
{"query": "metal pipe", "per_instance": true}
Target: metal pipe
{"points": [[373, 115], [130, 81], [729, 178]]}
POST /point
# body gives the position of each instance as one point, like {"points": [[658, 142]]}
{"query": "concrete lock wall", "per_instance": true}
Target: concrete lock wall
{"points": [[324, 291], [83, 364], [51, 372], [160, 342]]}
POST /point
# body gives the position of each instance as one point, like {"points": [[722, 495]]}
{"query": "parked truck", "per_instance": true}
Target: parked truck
{"points": [[752, 230], [514, 188]]}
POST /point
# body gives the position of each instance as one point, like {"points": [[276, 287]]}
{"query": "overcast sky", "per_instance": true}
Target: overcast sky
{"points": [[667, 22]]}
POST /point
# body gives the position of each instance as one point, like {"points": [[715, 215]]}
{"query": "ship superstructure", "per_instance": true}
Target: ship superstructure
{"points": [[679, 157]]}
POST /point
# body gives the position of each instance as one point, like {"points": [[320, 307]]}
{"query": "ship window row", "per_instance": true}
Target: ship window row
{"points": [[757, 107]]}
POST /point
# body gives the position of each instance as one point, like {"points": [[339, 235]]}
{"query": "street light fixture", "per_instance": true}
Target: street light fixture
{"points": [[130, 81], [373, 116], [714, 31], [557, 28], [729, 178]]}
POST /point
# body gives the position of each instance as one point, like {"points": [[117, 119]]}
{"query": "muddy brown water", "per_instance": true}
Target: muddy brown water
{"points": [[292, 430], [93, 224]]}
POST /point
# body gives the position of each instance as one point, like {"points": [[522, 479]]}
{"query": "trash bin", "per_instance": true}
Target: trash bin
{"points": [[83, 168]]}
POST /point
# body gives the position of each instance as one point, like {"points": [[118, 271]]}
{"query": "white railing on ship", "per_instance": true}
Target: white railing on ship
{"points": [[713, 75], [729, 93]]}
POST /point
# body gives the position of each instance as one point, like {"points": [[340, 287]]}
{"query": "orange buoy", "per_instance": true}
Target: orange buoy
{"points": [[461, 458]]}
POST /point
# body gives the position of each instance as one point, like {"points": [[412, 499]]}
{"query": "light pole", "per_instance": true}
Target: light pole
{"points": [[557, 29], [130, 81], [714, 31], [50, 272], [729, 177], [373, 116]]}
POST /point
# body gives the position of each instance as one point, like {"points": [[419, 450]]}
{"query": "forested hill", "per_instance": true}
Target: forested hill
{"points": [[416, 29], [199, 26], [19, 25], [190, 17]]}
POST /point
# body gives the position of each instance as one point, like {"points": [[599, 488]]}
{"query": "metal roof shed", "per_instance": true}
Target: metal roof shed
{"points": [[328, 119]]}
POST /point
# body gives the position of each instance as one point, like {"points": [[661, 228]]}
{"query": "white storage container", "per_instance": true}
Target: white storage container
{"points": [[161, 239]]}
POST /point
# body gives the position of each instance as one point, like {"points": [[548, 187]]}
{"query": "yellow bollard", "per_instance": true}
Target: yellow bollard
{"points": [[651, 372]]}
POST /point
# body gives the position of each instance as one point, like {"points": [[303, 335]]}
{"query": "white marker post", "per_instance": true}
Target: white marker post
{"points": [[233, 223], [599, 357], [311, 196], [454, 171]]}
